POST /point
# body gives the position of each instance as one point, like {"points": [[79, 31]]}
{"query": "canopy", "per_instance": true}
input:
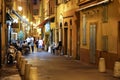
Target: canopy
{"points": [[20, 17], [43, 23]]}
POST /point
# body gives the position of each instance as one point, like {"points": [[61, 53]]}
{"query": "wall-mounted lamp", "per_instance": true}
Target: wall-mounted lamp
{"points": [[19, 8]]}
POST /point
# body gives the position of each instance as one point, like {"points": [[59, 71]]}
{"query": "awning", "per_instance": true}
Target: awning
{"points": [[20, 17], [93, 5], [45, 21], [8, 17], [14, 12]]}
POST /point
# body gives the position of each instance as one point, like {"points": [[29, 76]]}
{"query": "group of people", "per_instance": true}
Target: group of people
{"points": [[57, 46], [25, 47], [30, 42], [38, 42]]}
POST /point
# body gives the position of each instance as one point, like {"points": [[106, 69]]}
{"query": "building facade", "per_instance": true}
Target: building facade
{"points": [[88, 29], [87, 32], [99, 31], [68, 24]]}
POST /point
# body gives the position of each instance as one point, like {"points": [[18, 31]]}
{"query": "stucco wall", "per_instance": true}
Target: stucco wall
{"points": [[108, 28], [65, 10]]}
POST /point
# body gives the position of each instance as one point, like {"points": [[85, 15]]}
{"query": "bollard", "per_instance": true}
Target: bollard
{"points": [[23, 67], [27, 71], [33, 73], [18, 57], [102, 66], [116, 72], [21, 61]]}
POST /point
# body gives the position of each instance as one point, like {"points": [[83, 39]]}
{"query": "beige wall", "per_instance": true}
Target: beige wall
{"points": [[109, 28], [65, 10], [62, 8]]}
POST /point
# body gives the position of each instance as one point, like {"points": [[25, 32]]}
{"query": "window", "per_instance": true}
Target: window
{"points": [[34, 2], [59, 2], [65, 1], [35, 11]]}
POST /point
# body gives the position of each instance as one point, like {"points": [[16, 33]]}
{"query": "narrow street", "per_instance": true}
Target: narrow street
{"points": [[52, 67]]}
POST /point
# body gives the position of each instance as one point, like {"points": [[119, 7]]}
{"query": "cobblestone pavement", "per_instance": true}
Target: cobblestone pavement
{"points": [[9, 72], [52, 67]]}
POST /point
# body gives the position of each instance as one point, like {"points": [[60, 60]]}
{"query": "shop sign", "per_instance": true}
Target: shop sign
{"points": [[15, 25]]}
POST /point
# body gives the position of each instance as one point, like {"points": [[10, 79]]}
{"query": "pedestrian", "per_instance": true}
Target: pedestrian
{"points": [[40, 44], [55, 47], [36, 43], [28, 41], [32, 43]]}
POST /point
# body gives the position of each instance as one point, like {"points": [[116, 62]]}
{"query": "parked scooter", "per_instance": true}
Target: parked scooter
{"points": [[25, 49], [11, 55]]}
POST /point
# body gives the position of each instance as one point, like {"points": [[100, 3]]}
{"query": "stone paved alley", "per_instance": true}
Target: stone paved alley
{"points": [[51, 67]]}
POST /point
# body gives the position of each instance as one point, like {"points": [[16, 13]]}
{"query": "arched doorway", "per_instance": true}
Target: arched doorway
{"points": [[70, 37], [65, 38]]}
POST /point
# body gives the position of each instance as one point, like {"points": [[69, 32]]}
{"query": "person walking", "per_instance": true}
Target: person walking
{"points": [[32, 43], [40, 44], [36, 43]]}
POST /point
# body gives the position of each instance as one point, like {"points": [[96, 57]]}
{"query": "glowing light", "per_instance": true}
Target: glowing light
{"points": [[24, 17], [15, 21], [31, 23], [19, 8], [27, 19]]}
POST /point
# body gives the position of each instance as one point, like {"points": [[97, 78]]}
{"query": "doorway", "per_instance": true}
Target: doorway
{"points": [[77, 21], [118, 50], [65, 41], [92, 42], [78, 43], [70, 42]]}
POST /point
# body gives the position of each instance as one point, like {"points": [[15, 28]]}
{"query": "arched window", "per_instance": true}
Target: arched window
{"points": [[65, 24], [60, 24], [35, 2], [70, 21]]}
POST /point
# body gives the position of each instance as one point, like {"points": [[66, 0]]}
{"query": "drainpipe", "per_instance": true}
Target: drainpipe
{"points": [[95, 4]]}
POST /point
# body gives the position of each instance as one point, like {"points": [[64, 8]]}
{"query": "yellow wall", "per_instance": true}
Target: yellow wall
{"points": [[62, 8], [60, 11], [110, 28], [52, 25], [65, 10]]}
